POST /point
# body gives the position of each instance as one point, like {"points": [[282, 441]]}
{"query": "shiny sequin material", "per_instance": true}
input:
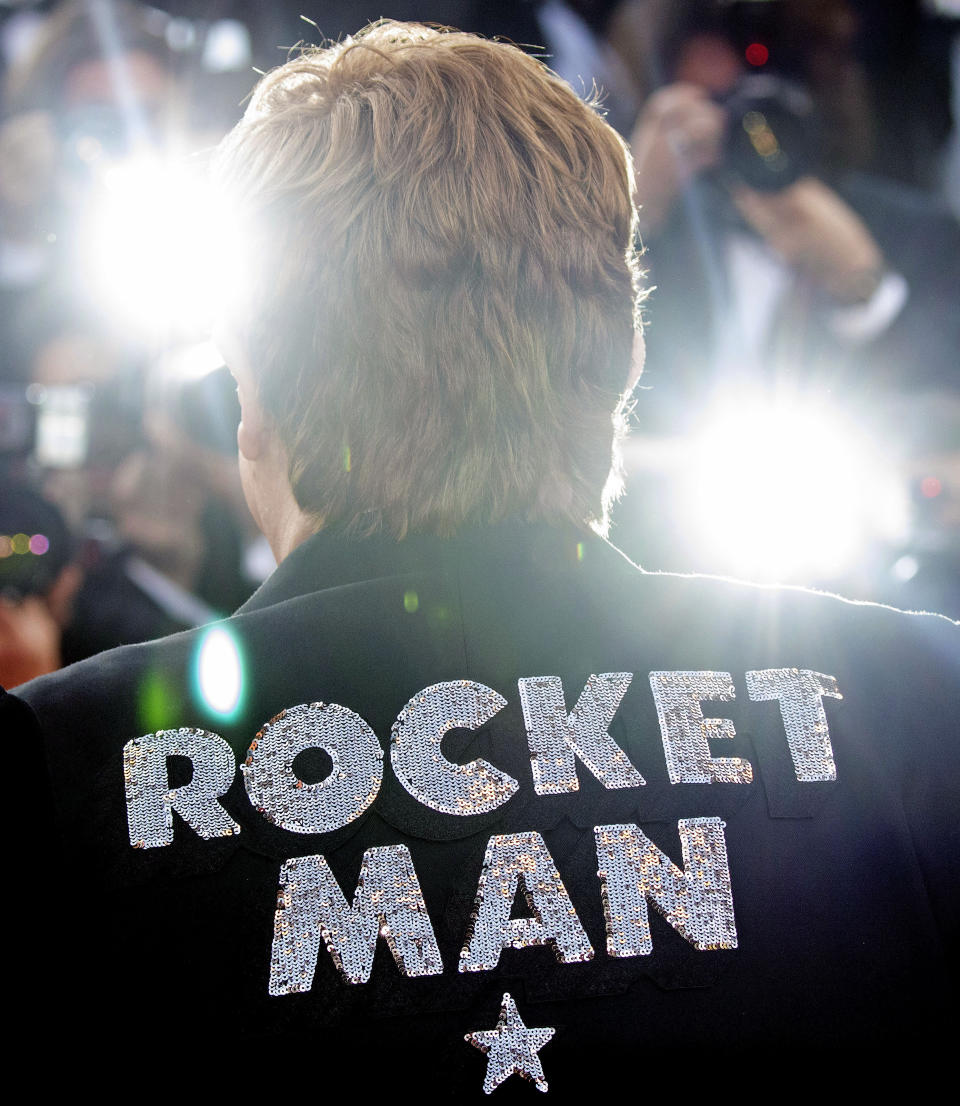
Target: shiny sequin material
{"points": [[387, 903], [150, 799], [352, 785], [511, 1048], [556, 738], [421, 767], [685, 732], [697, 900], [509, 861], [801, 692]]}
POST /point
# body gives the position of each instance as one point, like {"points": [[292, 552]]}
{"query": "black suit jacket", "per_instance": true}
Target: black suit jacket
{"points": [[844, 892]]}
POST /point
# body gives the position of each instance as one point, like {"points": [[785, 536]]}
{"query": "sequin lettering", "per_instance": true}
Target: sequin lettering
{"points": [[351, 786], [801, 693], [387, 903], [511, 861], [686, 733], [419, 764], [696, 900], [150, 799], [556, 738]]}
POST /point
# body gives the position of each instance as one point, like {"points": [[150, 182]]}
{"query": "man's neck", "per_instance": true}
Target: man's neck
{"points": [[290, 531]]}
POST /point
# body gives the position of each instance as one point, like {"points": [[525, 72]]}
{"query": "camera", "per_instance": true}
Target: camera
{"points": [[35, 544], [772, 137]]}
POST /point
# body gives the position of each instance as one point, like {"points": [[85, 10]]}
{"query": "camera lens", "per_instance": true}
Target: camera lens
{"points": [[772, 135]]}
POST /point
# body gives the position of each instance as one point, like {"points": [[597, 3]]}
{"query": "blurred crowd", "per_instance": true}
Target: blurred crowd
{"points": [[798, 167]]}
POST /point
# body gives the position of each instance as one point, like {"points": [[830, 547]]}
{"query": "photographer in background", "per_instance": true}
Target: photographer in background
{"points": [[70, 113], [38, 581], [771, 259], [98, 117], [783, 276]]}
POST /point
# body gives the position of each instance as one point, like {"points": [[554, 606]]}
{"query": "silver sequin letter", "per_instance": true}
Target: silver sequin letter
{"points": [[556, 738], [696, 901], [801, 692], [685, 732], [509, 861], [150, 800], [421, 767], [352, 785], [387, 903]]}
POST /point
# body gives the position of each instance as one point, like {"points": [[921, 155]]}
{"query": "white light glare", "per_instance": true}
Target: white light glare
{"points": [[219, 671], [185, 364], [164, 251], [789, 492]]}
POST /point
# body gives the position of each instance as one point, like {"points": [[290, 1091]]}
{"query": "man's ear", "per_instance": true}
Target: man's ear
{"points": [[252, 431]]}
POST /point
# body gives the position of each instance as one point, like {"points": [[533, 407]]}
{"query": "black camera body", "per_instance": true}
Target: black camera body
{"points": [[773, 135], [35, 543]]}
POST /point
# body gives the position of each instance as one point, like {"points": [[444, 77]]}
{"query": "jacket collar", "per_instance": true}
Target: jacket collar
{"points": [[330, 559]]}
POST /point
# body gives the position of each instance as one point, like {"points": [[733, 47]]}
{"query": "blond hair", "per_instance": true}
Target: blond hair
{"points": [[446, 286]]}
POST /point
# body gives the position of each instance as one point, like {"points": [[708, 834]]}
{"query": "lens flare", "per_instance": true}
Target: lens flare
{"points": [[219, 672]]}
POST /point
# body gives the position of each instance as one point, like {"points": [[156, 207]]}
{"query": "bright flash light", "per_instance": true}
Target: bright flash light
{"points": [[219, 672], [164, 251], [789, 492], [188, 363]]}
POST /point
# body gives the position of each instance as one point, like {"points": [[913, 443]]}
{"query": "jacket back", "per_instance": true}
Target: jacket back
{"points": [[680, 821]]}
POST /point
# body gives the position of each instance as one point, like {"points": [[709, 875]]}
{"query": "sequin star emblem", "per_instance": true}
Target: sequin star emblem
{"points": [[511, 1047]]}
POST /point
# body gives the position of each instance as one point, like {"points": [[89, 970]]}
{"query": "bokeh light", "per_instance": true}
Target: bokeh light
{"points": [[22, 544], [227, 47], [905, 568], [757, 54]]}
